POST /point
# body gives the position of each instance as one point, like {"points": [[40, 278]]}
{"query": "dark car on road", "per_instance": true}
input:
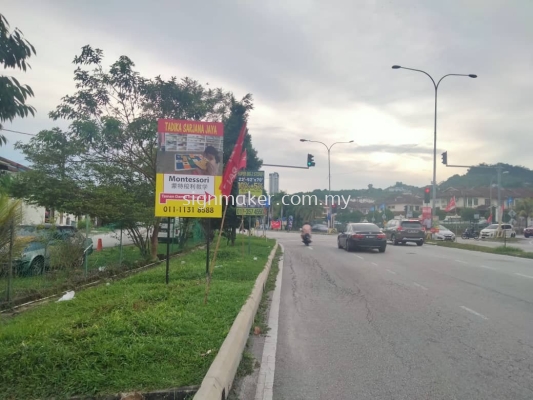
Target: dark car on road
{"points": [[528, 232], [404, 231], [362, 236]]}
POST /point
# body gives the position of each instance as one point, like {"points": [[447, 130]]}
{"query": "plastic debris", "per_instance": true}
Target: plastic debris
{"points": [[67, 296]]}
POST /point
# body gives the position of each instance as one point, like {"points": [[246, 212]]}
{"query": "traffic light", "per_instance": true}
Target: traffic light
{"points": [[310, 160], [445, 158], [426, 195]]}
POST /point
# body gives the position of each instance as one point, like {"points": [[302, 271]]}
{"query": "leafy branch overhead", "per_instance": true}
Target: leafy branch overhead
{"points": [[14, 52]]}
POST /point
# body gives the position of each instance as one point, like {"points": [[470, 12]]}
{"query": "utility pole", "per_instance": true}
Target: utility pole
{"points": [[436, 87], [329, 171]]}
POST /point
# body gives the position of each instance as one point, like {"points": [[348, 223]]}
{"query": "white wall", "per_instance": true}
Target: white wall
{"points": [[34, 215]]}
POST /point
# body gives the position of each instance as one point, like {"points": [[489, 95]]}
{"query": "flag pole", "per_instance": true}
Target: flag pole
{"points": [[242, 236], [208, 282]]}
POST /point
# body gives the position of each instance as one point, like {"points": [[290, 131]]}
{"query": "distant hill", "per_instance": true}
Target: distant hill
{"points": [[516, 177]]}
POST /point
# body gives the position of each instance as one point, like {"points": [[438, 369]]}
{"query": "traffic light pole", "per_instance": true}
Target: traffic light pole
{"points": [[283, 166], [499, 170]]}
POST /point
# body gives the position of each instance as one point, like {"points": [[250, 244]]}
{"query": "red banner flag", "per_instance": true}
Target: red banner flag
{"points": [[234, 164], [451, 205], [244, 158]]}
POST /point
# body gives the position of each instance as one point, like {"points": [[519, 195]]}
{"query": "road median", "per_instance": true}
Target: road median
{"points": [[138, 334], [501, 250]]}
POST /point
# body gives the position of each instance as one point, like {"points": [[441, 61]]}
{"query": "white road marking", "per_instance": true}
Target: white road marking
{"points": [[392, 272], [473, 312], [525, 276], [462, 262], [360, 257], [374, 264], [310, 248], [484, 266], [265, 382], [420, 286]]}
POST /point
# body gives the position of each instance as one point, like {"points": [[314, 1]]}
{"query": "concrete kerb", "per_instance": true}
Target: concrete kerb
{"points": [[219, 378]]}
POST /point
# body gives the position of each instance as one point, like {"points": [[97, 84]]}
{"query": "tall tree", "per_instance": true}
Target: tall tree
{"points": [[14, 51], [238, 115], [56, 179], [114, 113]]}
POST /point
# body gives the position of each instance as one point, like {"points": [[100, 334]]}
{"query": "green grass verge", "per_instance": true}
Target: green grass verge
{"points": [[503, 250], [52, 282], [134, 334]]}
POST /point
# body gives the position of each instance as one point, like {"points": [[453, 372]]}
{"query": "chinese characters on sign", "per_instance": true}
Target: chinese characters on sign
{"points": [[250, 200], [189, 169]]}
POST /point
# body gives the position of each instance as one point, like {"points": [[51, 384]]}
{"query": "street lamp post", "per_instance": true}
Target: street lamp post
{"points": [[500, 211], [436, 85], [329, 163]]}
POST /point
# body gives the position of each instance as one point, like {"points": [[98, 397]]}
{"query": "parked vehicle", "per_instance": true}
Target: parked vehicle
{"points": [[528, 232], [362, 236], [491, 231], [320, 228], [36, 243], [444, 234], [404, 231], [163, 229]]}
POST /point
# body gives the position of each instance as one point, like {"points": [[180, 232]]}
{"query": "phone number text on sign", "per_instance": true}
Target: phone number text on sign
{"points": [[191, 210], [250, 211]]}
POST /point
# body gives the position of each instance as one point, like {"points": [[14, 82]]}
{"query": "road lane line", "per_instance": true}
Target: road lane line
{"points": [[462, 262], [265, 381], [374, 264], [525, 276], [392, 272], [310, 248], [420, 286], [360, 257], [473, 312], [484, 266]]}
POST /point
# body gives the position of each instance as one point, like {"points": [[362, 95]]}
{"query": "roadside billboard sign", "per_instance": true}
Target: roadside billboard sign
{"points": [[250, 200], [189, 169]]}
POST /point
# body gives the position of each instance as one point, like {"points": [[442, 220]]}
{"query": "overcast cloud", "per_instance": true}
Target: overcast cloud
{"points": [[317, 70]]}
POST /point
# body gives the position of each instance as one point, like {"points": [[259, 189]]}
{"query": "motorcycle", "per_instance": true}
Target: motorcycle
{"points": [[470, 234], [307, 239]]}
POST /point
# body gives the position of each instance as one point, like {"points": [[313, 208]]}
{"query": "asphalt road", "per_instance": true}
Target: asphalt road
{"points": [[411, 323]]}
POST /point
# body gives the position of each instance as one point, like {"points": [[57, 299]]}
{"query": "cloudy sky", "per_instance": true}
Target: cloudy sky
{"points": [[316, 70]]}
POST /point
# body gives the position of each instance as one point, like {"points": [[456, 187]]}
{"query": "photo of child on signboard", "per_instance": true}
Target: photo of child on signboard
{"points": [[189, 154]]}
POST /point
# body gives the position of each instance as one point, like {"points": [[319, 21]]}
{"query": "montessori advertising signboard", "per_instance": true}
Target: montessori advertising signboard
{"points": [[189, 169]]}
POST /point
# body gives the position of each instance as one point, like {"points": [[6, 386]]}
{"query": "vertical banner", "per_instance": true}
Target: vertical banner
{"points": [[189, 169], [251, 200], [426, 217]]}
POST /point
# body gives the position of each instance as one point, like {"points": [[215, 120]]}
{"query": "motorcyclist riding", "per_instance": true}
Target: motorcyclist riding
{"points": [[306, 230]]}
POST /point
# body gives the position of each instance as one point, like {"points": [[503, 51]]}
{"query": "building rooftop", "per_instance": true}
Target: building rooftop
{"points": [[11, 166]]}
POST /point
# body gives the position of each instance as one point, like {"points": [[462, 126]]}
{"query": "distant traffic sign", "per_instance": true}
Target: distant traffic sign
{"points": [[512, 213]]}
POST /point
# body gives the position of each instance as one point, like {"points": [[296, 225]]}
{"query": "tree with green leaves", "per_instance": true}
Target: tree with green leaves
{"points": [[524, 208], [14, 51], [114, 114], [56, 180]]}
